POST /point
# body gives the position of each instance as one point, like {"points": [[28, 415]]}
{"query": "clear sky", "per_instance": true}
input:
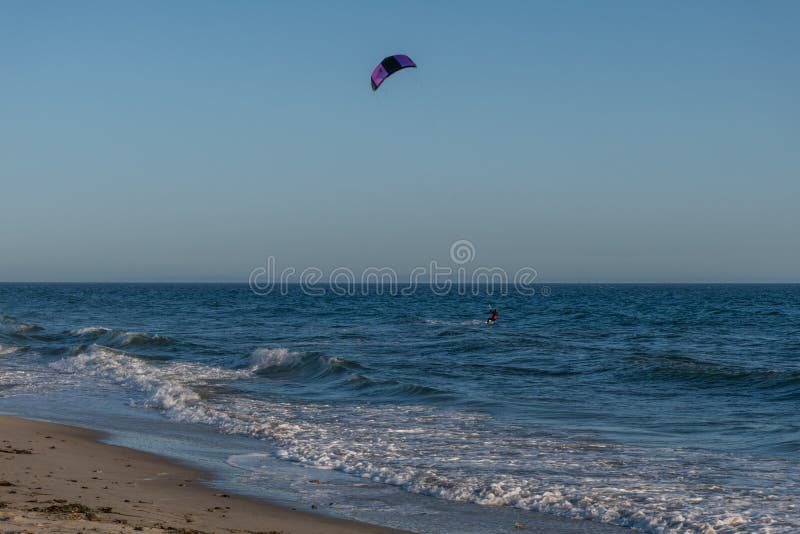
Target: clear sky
{"points": [[593, 141]]}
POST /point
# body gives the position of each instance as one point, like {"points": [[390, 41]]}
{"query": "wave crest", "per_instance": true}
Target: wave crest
{"points": [[121, 338], [677, 367], [8, 350], [14, 327], [265, 358], [287, 364]]}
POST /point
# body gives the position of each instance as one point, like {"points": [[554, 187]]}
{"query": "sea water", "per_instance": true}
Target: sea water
{"points": [[668, 408]]}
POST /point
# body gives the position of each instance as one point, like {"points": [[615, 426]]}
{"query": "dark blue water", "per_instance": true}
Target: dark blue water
{"points": [[654, 406]]}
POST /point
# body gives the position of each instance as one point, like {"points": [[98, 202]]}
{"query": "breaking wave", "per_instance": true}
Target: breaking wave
{"points": [[7, 350], [455, 455], [282, 363], [12, 326], [121, 338]]}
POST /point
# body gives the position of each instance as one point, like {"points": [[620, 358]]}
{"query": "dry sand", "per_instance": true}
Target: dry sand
{"points": [[56, 478]]}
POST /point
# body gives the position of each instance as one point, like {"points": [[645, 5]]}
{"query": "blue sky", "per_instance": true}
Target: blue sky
{"points": [[593, 141]]}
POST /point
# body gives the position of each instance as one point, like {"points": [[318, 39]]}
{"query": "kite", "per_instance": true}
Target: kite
{"points": [[389, 66]]}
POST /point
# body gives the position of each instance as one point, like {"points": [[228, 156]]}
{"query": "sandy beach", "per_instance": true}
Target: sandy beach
{"points": [[56, 478]]}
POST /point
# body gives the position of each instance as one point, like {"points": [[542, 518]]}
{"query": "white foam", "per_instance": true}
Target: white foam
{"points": [[18, 328], [7, 350], [125, 339], [19, 378], [463, 456], [165, 385], [119, 338], [90, 330], [15, 378], [279, 357]]}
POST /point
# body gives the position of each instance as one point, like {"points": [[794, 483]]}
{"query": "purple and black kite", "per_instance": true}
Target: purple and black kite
{"points": [[389, 66]]}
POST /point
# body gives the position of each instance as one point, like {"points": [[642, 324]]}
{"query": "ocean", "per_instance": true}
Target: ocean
{"points": [[667, 408]]}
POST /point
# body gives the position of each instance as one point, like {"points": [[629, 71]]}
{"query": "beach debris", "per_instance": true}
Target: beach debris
{"points": [[12, 450], [315, 481], [5, 484], [520, 526], [71, 511], [178, 530], [223, 495]]}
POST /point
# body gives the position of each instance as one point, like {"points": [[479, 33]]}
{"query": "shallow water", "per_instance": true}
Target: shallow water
{"points": [[662, 407]]}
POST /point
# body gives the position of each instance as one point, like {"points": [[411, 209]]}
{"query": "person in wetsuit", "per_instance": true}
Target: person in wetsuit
{"points": [[493, 318]]}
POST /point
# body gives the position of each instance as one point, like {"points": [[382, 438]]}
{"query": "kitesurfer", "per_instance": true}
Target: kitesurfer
{"points": [[493, 317]]}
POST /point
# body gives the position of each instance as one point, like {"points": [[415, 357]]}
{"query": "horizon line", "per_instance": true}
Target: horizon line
{"points": [[544, 283]]}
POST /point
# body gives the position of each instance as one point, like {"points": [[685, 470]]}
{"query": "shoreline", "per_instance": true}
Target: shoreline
{"points": [[57, 478]]}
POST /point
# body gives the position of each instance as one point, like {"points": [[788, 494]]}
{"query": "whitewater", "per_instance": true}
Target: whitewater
{"points": [[661, 408]]}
